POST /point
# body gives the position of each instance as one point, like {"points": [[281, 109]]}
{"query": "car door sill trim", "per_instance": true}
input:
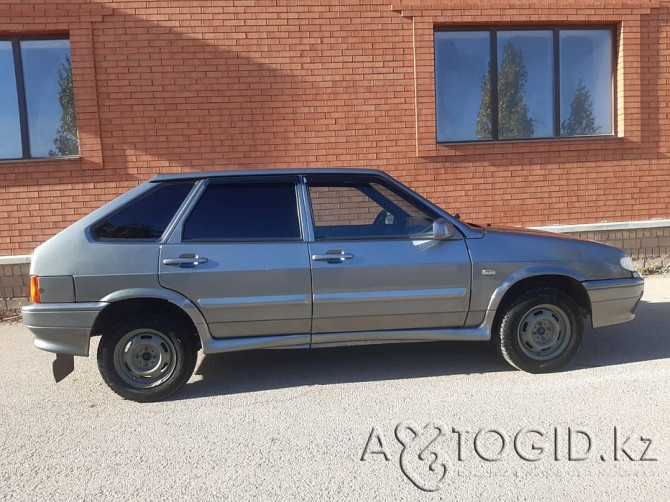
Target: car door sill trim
{"points": [[219, 345], [479, 333]]}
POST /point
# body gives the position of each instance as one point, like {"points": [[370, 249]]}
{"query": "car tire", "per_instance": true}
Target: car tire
{"points": [[147, 357], [540, 331]]}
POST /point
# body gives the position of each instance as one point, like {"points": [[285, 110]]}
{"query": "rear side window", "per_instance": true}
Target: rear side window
{"points": [[245, 212], [146, 217]]}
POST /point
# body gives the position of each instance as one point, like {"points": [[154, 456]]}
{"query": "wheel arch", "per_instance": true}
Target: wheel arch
{"points": [[135, 301], [567, 283]]}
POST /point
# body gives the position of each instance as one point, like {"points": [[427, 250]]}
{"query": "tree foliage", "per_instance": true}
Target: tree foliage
{"points": [[581, 121], [485, 109], [514, 120], [66, 142]]}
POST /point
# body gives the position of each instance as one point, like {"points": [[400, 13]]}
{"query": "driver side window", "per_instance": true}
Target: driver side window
{"points": [[363, 211]]}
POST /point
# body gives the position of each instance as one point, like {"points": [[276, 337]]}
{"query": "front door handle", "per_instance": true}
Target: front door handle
{"points": [[333, 256], [185, 260]]}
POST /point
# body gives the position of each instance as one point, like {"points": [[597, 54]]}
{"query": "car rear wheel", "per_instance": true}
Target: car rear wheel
{"points": [[146, 357], [540, 331]]}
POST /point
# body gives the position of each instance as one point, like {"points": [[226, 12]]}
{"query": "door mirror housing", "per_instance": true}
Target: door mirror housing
{"points": [[443, 230]]}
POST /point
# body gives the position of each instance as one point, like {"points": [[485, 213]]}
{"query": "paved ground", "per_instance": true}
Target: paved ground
{"points": [[294, 425]]}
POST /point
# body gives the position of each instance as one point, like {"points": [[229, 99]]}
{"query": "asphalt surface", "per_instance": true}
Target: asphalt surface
{"points": [[295, 425]]}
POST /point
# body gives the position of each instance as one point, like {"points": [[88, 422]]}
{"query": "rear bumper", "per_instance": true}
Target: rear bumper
{"points": [[614, 301], [63, 328]]}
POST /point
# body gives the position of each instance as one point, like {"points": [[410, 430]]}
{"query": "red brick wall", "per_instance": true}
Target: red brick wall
{"points": [[169, 86]]}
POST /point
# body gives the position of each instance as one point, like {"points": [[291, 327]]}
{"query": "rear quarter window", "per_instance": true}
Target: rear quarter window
{"points": [[146, 217]]}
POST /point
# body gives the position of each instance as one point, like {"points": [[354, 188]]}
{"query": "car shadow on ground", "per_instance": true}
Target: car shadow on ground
{"points": [[644, 339]]}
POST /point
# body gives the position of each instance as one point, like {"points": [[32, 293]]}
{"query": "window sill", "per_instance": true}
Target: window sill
{"points": [[519, 146], [40, 160], [524, 141]]}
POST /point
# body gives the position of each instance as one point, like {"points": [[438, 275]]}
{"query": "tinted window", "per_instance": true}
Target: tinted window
{"points": [[245, 212], [364, 210], [37, 117], [525, 84], [146, 217], [10, 126], [47, 73], [462, 60], [586, 82], [499, 84]]}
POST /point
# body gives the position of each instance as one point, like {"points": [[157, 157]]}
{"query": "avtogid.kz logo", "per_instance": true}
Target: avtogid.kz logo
{"points": [[429, 451], [422, 460]]}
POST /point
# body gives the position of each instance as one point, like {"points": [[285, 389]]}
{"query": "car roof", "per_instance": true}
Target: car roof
{"points": [[266, 172]]}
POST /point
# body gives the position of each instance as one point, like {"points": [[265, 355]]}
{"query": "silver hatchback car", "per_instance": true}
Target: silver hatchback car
{"points": [[227, 261]]}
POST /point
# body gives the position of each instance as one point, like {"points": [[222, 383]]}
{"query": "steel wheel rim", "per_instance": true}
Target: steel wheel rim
{"points": [[145, 358], [544, 332]]}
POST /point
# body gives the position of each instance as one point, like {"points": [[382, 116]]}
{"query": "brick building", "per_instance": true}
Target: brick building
{"points": [[529, 112]]}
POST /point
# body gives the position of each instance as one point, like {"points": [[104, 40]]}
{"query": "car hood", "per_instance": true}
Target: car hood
{"points": [[588, 260], [533, 232]]}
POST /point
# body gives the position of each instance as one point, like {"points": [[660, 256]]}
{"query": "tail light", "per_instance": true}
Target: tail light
{"points": [[35, 289]]}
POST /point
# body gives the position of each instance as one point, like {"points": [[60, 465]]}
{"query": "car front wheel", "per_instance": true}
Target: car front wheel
{"points": [[540, 331], [146, 357]]}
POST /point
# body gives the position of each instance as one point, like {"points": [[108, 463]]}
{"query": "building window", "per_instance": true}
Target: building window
{"points": [[37, 117], [500, 84]]}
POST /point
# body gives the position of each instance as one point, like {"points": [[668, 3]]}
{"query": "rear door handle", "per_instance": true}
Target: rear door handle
{"points": [[333, 256], [185, 260]]}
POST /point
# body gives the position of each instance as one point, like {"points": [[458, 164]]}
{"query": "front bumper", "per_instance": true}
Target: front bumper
{"points": [[63, 328], [614, 301]]}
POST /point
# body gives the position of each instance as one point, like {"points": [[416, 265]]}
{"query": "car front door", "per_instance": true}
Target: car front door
{"points": [[240, 257], [374, 263]]}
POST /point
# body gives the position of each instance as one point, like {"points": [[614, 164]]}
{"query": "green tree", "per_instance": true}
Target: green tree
{"points": [[484, 115], [514, 120], [581, 121], [66, 142]]}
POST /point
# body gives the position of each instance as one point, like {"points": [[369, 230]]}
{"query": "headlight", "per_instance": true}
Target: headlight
{"points": [[627, 263]]}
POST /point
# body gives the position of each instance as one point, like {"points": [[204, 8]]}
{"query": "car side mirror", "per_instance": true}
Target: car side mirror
{"points": [[443, 230]]}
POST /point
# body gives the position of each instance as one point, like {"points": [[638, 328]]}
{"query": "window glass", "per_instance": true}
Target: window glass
{"points": [[402, 203], [47, 73], [525, 84], [10, 126], [586, 82], [146, 217], [364, 210], [462, 91], [515, 96], [245, 212]]}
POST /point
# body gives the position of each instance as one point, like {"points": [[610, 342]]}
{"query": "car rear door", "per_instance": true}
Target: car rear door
{"points": [[240, 257], [374, 263]]}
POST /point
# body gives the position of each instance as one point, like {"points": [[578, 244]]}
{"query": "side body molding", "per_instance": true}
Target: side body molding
{"points": [[210, 345]]}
